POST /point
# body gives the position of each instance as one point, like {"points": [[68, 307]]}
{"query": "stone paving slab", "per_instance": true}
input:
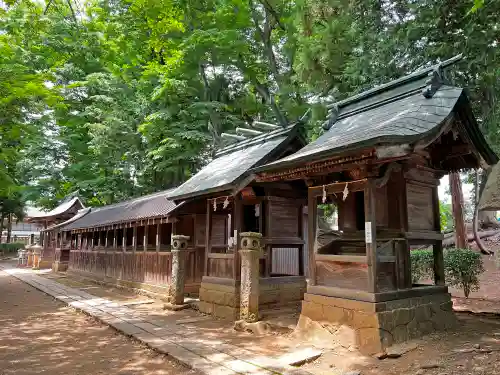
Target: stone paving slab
{"points": [[167, 338]]}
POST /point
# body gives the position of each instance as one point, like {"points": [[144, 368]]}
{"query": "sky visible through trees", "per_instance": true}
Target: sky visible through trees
{"points": [[114, 99]]}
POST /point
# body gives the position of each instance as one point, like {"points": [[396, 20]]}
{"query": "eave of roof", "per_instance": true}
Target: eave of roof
{"points": [[253, 152], [152, 206], [59, 210], [400, 112]]}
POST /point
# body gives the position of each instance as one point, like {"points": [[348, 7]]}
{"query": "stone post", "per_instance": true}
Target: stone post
{"points": [[29, 261], [179, 246], [250, 251], [37, 255]]}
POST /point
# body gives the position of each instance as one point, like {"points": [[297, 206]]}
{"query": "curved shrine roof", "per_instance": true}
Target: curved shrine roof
{"points": [[148, 206], [400, 112]]}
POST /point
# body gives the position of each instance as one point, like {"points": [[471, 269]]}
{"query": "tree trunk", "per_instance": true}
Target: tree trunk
{"points": [[457, 207], [2, 217], [9, 227], [487, 219], [477, 238]]}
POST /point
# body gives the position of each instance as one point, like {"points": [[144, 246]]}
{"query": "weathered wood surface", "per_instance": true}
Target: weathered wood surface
{"points": [[219, 230], [147, 267], [283, 218], [350, 275], [221, 265], [420, 212]]}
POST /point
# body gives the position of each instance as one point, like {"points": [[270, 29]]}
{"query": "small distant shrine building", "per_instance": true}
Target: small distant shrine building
{"points": [[378, 166], [66, 210]]}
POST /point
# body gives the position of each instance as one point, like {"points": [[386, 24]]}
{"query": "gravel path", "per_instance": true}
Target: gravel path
{"points": [[41, 335]]}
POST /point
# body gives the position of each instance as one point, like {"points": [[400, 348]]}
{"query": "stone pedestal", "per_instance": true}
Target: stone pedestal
{"points": [[249, 289], [371, 327], [37, 255], [59, 266], [179, 247]]}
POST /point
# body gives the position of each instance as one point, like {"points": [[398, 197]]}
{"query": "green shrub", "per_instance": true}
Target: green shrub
{"points": [[6, 248], [421, 265], [462, 268]]}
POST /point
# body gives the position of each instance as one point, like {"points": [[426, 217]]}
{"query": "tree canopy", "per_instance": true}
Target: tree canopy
{"points": [[114, 99]]}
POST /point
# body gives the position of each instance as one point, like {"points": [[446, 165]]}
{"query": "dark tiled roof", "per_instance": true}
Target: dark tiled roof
{"points": [[61, 209], [395, 113], [149, 206], [233, 163], [81, 213]]}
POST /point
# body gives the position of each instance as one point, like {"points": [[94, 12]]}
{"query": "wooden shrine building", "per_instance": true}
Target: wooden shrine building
{"points": [[233, 212], [378, 166], [126, 243], [67, 209]]}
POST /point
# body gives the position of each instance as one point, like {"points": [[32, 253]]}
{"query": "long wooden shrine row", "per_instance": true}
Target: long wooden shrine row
{"points": [[144, 268]]}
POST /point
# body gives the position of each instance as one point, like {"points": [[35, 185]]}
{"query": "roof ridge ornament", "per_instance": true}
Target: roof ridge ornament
{"points": [[436, 80], [333, 116]]}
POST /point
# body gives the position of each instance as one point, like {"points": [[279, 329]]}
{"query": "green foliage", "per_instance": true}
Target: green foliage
{"points": [[9, 248], [121, 98], [462, 267], [446, 216], [421, 265]]}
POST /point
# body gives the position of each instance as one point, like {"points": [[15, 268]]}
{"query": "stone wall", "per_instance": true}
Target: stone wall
{"points": [[372, 327], [220, 300]]}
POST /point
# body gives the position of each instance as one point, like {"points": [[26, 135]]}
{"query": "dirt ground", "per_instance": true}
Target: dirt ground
{"points": [[41, 335], [473, 348]]}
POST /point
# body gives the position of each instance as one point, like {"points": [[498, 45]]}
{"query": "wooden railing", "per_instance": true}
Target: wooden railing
{"points": [[140, 266]]}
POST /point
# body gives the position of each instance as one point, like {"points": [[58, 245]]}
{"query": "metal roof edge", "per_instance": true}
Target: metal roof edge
{"points": [[253, 141], [397, 82]]}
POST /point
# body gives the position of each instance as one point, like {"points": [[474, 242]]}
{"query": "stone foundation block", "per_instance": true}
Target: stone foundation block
{"points": [[59, 267], [375, 330]]}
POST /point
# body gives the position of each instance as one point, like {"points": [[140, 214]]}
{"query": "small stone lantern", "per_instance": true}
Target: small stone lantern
{"points": [[250, 252], [251, 241], [179, 242], [179, 247]]}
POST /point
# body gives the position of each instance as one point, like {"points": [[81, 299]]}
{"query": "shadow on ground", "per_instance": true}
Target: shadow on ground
{"points": [[41, 335]]}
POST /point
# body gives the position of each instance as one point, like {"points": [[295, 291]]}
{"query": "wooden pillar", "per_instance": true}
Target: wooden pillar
{"points": [[269, 248], [312, 214], [437, 247], [99, 243], [145, 238], [457, 206], [115, 239], [158, 237], [301, 236], [124, 243], [371, 235], [403, 263], [208, 235], [238, 225], [134, 239], [106, 244]]}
